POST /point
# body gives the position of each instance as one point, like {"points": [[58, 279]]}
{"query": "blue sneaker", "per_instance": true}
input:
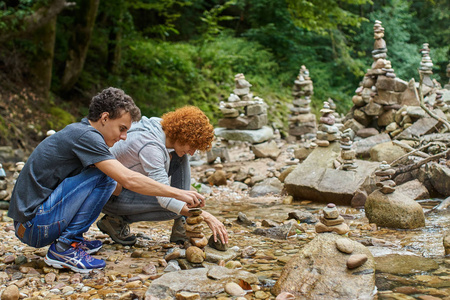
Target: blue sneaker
{"points": [[74, 258], [90, 247]]}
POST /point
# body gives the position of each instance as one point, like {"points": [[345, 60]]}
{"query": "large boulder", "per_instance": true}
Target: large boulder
{"points": [[208, 282], [320, 271], [395, 210], [316, 179], [386, 152]]}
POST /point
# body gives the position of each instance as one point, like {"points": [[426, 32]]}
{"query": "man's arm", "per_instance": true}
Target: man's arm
{"points": [[141, 184]]}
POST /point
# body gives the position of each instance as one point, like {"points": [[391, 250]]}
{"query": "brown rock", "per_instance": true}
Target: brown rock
{"points": [[345, 245], [11, 293], [356, 260], [199, 242], [187, 296], [194, 220], [195, 255]]}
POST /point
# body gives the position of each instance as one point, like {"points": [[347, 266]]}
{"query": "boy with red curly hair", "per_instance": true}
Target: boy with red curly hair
{"points": [[159, 148]]}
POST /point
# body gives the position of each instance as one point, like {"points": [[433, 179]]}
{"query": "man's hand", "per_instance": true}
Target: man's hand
{"points": [[217, 227], [192, 198]]}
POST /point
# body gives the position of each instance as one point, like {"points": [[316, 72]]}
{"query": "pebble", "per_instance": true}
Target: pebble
{"points": [[345, 245], [234, 289], [187, 296], [356, 260]]}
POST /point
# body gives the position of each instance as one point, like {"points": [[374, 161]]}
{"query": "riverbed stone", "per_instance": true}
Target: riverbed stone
{"points": [[404, 264], [414, 189], [316, 179], [319, 271], [208, 282], [386, 152], [440, 178], [395, 210], [266, 149]]}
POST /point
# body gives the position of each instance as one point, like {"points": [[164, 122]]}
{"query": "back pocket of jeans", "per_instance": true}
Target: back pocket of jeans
{"points": [[47, 234]]}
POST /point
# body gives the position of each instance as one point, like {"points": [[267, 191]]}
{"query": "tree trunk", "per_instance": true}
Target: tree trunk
{"points": [[79, 43], [114, 46], [41, 67]]}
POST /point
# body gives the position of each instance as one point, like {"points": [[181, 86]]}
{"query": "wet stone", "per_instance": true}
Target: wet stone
{"points": [[218, 245]]}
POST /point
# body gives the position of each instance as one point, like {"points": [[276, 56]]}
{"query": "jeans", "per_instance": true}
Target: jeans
{"points": [[134, 207], [70, 210]]}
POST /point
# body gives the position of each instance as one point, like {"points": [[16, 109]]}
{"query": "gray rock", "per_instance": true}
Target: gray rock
{"points": [[303, 217], [252, 136], [319, 271], [267, 186], [208, 282], [414, 189], [316, 179], [214, 256], [440, 178], [394, 210], [421, 127]]}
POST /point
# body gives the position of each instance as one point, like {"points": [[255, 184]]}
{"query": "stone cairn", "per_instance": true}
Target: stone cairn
{"points": [[384, 176], [331, 221], [426, 66], [242, 111], [301, 121], [380, 93], [3, 184], [195, 254], [327, 131], [348, 155]]}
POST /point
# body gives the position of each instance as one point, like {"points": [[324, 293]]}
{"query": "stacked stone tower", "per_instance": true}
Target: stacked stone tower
{"points": [[328, 131], [301, 121], [380, 93], [384, 176], [426, 66], [243, 111]]}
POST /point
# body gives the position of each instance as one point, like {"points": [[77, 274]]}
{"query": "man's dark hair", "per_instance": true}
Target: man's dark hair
{"points": [[115, 102]]}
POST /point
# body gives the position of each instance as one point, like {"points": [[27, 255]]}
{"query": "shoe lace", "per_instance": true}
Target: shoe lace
{"points": [[81, 253]]}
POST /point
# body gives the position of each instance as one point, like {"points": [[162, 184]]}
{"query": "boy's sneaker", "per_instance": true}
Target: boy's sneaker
{"points": [[90, 247], [117, 229], [73, 258]]}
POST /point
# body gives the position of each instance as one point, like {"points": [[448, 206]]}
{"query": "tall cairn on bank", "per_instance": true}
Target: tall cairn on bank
{"points": [[426, 66], [243, 111], [380, 93], [328, 131], [301, 121]]}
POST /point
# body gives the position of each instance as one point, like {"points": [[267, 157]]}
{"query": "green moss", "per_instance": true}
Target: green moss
{"points": [[59, 118]]}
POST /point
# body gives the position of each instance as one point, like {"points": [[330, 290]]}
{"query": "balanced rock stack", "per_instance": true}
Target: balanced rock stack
{"points": [[384, 175], [3, 184], [426, 66], [380, 93], [439, 102], [301, 121], [194, 231], [242, 111], [331, 221], [348, 155], [328, 131]]}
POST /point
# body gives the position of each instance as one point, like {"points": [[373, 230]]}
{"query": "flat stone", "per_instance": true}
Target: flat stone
{"points": [[345, 245]]}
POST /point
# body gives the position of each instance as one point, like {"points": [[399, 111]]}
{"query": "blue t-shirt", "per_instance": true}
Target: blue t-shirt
{"points": [[62, 155]]}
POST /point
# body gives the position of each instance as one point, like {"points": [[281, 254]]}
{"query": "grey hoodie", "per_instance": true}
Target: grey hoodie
{"points": [[145, 151]]}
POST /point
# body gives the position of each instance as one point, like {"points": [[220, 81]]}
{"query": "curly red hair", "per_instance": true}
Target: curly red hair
{"points": [[189, 125]]}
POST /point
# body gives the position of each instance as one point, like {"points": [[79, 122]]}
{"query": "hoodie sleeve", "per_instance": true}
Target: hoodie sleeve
{"points": [[153, 159]]}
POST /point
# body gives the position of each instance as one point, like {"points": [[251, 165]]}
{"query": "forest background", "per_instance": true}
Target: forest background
{"points": [[56, 54]]}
